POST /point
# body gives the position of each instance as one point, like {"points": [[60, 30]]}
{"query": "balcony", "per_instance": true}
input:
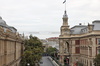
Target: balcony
{"points": [[65, 53]]}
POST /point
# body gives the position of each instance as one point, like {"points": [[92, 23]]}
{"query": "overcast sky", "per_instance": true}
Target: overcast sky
{"points": [[43, 18]]}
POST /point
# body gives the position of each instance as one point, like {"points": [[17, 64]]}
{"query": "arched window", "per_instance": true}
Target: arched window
{"points": [[67, 47]]}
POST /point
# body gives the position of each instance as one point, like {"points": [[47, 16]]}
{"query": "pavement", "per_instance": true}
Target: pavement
{"points": [[45, 61]]}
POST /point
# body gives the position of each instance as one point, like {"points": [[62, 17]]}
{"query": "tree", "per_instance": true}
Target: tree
{"points": [[97, 60], [51, 51], [33, 51]]}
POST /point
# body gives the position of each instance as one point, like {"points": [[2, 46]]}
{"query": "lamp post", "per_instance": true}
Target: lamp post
{"points": [[76, 62], [61, 59], [67, 61], [28, 64], [94, 64], [68, 57]]}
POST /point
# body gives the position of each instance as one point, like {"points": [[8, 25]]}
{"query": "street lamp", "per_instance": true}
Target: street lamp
{"points": [[76, 64], [76, 60], [28, 64], [68, 57], [67, 61], [94, 64]]}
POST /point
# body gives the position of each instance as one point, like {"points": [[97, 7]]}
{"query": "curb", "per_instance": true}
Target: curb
{"points": [[55, 64]]}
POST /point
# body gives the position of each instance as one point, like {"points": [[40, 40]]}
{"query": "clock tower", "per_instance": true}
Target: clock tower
{"points": [[65, 28]]}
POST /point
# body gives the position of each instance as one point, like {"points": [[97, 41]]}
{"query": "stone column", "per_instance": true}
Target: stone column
{"points": [[5, 52], [15, 50], [88, 52], [61, 46], [62, 60]]}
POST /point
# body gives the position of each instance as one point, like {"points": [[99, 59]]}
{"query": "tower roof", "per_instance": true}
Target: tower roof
{"points": [[2, 22], [96, 21], [65, 15]]}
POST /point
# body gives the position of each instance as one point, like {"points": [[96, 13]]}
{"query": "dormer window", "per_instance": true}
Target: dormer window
{"points": [[98, 51]]}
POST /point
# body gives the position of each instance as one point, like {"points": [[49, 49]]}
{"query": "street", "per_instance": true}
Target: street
{"points": [[46, 61]]}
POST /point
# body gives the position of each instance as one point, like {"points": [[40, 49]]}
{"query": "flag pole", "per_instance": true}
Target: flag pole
{"points": [[65, 6]]}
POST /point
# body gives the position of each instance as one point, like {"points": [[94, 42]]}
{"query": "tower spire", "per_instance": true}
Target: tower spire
{"points": [[65, 11], [65, 17], [65, 30], [65, 14]]}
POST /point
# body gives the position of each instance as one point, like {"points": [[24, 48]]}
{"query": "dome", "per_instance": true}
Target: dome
{"points": [[0, 17], [2, 22]]}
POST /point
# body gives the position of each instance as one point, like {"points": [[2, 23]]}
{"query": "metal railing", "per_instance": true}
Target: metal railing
{"points": [[56, 60]]}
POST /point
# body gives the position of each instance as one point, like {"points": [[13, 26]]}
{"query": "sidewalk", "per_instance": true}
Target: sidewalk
{"points": [[45, 61]]}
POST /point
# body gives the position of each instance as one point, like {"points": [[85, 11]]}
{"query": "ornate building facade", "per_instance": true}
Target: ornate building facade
{"points": [[80, 43], [11, 45]]}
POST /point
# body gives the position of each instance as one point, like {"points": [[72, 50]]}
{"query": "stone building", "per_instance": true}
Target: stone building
{"points": [[80, 43], [53, 42], [11, 45], [50, 42], [53, 39]]}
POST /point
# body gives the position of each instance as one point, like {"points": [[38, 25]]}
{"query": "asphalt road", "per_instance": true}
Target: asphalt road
{"points": [[46, 61]]}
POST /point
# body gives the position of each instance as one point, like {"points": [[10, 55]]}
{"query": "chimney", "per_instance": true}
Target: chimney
{"points": [[80, 23], [90, 27]]}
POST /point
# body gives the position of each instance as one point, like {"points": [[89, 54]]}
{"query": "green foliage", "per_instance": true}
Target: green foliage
{"points": [[97, 60], [53, 53], [33, 51], [51, 50]]}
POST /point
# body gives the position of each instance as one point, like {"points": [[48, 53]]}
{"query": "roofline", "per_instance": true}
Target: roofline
{"points": [[96, 21], [12, 27], [8, 27], [79, 26]]}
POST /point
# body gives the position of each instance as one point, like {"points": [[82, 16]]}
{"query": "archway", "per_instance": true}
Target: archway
{"points": [[66, 47]]}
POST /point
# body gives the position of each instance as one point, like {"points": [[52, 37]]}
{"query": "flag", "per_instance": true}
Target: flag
{"points": [[64, 1]]}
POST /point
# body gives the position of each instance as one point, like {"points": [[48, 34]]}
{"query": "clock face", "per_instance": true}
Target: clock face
{"points": [[65, 30]]}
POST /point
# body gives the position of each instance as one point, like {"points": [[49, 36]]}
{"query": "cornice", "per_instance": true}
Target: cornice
{"points": [[93, 33]]}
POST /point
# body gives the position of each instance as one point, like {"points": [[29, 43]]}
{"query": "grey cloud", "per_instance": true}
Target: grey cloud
{"points": [[46, 15]]}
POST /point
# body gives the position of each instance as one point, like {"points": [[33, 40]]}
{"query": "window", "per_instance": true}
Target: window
{"points": [[90, 51], [85, 41], [77, 50], [90, 63], [99, 41], [77, 42], [87, 62], [81, 60], [98, 51]]}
